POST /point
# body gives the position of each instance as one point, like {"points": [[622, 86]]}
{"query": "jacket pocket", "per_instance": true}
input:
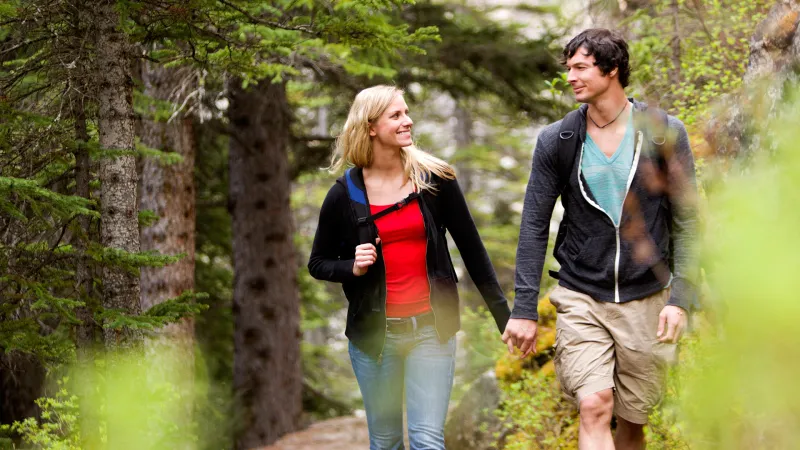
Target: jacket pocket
{"points": [[595, 259]]}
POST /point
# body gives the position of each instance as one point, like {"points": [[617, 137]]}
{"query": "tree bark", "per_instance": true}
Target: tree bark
{"points": [[168, 191], [22, 379], [86, 331], [462, 132], [675, 44], [118, 209], [267, 376]]}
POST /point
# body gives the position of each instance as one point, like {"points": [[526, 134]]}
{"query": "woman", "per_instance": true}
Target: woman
{"points": [[381, 234]]}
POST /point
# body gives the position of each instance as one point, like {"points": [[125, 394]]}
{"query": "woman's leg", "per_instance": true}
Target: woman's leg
{"points": [[382, 390], [429, 369]]}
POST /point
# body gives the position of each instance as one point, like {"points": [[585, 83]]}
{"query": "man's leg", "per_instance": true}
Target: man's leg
{"points": [[630, 436], [584, 363], [641, 365], [595, 429]]}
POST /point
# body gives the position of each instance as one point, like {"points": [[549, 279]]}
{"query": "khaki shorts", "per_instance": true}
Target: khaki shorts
{"points": [[602, 345]]}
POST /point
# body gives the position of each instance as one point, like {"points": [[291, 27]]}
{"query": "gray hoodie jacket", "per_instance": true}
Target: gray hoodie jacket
{"points": [[653, 246]]}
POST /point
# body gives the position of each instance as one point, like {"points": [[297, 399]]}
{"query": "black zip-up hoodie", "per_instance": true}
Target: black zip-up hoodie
{"points": [[333, 255], [652, 248]]}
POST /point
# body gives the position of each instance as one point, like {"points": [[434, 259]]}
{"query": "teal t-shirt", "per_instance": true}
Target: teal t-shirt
{"points": [[606, 177]]}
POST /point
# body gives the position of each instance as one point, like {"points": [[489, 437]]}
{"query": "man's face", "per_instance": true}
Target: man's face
{"points": [[587, 80]]}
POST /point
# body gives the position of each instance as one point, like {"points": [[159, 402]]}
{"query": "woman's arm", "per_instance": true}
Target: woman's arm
{"points": [[459, 222], [324, 262]]}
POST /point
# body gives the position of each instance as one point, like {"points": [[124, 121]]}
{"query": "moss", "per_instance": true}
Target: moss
{"points": [[508, 367], [548, 369]]}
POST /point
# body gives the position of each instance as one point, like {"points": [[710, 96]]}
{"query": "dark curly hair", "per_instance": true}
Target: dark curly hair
{"points": [[608, 47]]}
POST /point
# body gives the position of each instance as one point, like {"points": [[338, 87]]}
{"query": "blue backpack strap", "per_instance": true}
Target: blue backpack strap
{"points": [[354, 192], [359, 207]]}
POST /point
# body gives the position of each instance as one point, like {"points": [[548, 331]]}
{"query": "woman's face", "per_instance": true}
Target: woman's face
{"points": [[393, 127]]}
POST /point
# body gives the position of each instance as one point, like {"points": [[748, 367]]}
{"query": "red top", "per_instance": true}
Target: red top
{"points": [[404, 245]]}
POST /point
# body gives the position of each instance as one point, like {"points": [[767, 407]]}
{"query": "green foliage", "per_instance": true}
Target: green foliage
{"points": [[137, 400], [713, 39], [160, 314], [536, 415], [741, 391], [58, 428]]}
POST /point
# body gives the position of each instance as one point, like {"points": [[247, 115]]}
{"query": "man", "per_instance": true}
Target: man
{"points": [[625, 174]]}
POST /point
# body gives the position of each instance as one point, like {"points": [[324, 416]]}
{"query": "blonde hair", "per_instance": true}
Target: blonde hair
{"points": [[354, 146]]}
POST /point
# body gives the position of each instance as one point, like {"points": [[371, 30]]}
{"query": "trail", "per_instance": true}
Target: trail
{"points": [[341, 433]]}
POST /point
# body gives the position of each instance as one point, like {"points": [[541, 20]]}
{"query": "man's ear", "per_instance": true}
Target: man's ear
{"points": [[613, 72]]}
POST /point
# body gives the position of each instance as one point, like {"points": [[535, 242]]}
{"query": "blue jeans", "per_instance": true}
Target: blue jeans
{"points": [[417, 361]]}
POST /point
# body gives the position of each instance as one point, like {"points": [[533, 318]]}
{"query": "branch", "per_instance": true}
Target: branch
{"points": [[254, 19], [314, 138], [23, 44]]}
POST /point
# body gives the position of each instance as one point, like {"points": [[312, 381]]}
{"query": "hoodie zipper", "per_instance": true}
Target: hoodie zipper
{"points": [[632, 173]]}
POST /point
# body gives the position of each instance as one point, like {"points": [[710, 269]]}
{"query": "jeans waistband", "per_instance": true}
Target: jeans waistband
{"points": [[407, 324]]}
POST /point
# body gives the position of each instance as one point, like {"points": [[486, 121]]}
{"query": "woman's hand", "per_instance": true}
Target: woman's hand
{"points": [[366, 255]]}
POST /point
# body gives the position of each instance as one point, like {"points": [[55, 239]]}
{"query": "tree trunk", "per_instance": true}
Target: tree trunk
{"points": [[86, 332], [118, 209], [463, 135], [266, 309], [675, 44], [168, 191], [22, 378]]}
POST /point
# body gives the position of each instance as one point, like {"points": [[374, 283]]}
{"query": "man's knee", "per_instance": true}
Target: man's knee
{"points": [[597, 408]]}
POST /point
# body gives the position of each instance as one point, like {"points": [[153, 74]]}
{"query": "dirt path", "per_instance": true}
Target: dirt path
{"points": [[342, 433]]}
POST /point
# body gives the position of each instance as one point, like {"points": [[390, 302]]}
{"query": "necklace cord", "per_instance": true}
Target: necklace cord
{"points": [[609, 123]]}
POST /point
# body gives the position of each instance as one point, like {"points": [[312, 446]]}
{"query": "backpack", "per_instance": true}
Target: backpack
{"points": [[360, 209]]}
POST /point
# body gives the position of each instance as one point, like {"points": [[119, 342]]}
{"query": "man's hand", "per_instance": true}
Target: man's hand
{"points": [[671, 323], [521, 333], [366, 255]]}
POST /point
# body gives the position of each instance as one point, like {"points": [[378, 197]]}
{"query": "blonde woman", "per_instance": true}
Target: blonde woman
{"points": [[381, 233]]}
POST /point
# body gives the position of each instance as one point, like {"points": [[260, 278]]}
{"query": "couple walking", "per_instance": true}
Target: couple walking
{"points": [[625, 175]]}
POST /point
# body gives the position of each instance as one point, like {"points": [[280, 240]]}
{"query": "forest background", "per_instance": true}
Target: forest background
{"points": [[160, 183]]}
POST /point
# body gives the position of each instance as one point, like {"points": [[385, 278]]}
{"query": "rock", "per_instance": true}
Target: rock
{"points": [[342, 433], [472, 424], [773, 65]]}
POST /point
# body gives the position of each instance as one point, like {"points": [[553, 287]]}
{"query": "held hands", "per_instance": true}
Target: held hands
{"points": [[671, 323], [521, 333], [366, 255]]}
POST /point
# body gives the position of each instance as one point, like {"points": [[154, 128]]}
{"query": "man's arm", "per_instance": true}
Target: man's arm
{"points": [[682, 191], [534, 232], [540, 198]]}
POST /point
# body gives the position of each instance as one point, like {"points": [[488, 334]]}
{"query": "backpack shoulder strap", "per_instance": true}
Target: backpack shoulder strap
{"points": [[568, 137], [360, 208], [657, 132], [372, 218]]}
